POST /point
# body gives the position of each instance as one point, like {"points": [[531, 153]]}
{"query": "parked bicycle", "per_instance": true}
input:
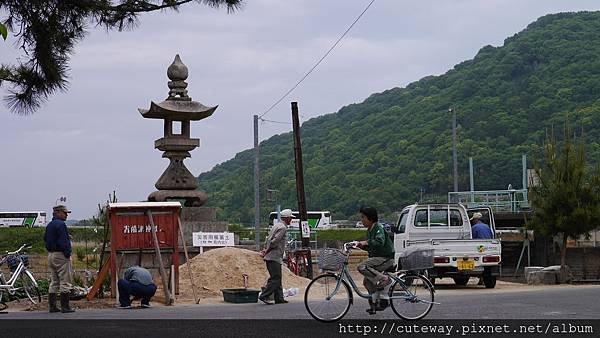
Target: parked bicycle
{"points": [[295, 260], [329, 296], [21, 281]]}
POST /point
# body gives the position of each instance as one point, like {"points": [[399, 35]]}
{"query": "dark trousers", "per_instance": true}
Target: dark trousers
{"points": [[135, 289], [274, 283]]}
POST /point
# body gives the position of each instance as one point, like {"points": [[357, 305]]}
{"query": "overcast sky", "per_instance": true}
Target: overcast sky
{"points": [[91, 140]]}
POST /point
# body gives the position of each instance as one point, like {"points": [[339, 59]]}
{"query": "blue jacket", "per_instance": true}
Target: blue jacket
{"points": [[481, 231], [57, 237]]}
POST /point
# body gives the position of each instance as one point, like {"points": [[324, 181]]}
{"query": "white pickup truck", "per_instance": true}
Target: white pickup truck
{"points": [[446, 228]]}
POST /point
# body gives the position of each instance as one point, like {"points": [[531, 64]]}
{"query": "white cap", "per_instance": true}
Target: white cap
{"points": [[286, 213], [476, 215]]}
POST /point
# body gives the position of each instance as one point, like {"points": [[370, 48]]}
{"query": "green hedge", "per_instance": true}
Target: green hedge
{"points": [[345, 235], [12, 238]]}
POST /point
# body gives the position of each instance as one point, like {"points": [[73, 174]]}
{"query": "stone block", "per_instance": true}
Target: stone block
{"points": [[548, 277], [533, 268], [534, 277], [530, 273], [198, 214], [556, 270]]}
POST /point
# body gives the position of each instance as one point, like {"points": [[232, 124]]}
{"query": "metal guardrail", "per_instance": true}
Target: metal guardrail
{"points": [[499, 200]]}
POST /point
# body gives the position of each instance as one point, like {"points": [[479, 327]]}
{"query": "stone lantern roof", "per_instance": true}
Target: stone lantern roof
{"points": [[178, 106]]}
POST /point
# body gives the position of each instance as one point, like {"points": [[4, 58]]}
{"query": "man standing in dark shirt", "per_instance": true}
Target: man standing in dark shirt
{"points": [[58, 245]]}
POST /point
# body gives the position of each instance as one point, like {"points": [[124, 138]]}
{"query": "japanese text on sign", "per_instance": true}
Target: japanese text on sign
{"points": [[212, 239], [136, 229]]}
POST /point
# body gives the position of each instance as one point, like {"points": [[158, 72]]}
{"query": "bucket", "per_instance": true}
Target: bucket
{"points": [[240, 295]]}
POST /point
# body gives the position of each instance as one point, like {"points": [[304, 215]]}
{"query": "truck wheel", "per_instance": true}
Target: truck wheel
{"points": [[461, 280], [489, 281]]}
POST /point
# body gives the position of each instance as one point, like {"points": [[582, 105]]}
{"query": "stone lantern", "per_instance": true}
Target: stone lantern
{"points": [[177, 182]]}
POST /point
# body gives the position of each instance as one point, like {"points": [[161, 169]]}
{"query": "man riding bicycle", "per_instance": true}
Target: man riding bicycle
{"points": [[381, 257]]}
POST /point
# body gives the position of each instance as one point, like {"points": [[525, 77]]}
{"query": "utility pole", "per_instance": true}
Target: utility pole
{"points": [[471, 180], [454, 160], [300, 189], [256, 191]]}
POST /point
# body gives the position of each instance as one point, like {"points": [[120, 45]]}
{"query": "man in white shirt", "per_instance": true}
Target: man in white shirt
{"points": [[272, 255]]}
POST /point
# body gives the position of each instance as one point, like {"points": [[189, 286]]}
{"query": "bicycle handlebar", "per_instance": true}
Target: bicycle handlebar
{"points": [[350, 245], [24, 246]]}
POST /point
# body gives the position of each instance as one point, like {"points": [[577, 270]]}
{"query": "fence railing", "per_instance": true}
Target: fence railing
{"points": [[499, 200]]}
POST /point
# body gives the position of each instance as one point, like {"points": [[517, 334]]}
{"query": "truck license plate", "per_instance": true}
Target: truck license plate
{"points": [[465, 265]]}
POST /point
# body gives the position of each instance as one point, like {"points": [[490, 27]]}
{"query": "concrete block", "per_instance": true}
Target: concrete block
{"points": [[534, 277], [533, 268], [556, 270], [549, 277], [552, 268]]}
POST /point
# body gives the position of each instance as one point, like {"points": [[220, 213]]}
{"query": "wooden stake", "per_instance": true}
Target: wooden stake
{"points": [[99, 280], [161, 267], [187, 261]]}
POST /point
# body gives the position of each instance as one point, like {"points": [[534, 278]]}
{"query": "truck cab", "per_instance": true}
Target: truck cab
{"points": [[446, 228]]}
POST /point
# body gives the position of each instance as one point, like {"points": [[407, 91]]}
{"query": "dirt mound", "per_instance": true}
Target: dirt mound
{"points": [[223, 269]]}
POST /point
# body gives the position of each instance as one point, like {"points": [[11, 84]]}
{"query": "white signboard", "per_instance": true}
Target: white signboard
{"points": [[202, 239], [305, 229]]}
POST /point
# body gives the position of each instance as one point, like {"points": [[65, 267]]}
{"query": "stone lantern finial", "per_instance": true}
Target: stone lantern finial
{"points": [[178, 73]]}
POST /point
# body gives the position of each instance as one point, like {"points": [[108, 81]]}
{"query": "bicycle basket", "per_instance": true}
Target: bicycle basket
{"points": [[331, 259], [416, 259], [13, 262], [25, 260]]}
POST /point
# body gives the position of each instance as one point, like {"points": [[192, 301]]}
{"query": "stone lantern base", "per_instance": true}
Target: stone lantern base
{"points": [[192, 198]]}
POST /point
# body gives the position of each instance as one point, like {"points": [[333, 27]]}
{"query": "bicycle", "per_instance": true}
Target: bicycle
{"points": [[295, 259], [328, 297], [20, 280]]}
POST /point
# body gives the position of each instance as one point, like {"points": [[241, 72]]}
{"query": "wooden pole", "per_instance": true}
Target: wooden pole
{"points": [[256, 187], [187, 261], [99, 280], [300, 184], [161, 267]]}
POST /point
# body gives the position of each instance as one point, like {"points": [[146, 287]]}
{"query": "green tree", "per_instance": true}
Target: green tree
{"points": [[566, 202], [48, 31]]}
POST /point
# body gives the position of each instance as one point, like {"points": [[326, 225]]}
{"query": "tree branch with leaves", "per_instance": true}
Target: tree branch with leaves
{"points": [[567, 201], [47, 32]]}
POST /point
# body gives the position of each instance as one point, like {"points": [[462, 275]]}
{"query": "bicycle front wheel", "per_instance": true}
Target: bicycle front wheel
{"points": [[414, 300], [322, 303], [30, 287]]}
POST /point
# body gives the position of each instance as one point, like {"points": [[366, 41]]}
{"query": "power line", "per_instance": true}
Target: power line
{"points": [[271, 121], [318, 62]]}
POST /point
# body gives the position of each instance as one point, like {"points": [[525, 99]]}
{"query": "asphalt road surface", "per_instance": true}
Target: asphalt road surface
{"points": [[554, 302]]}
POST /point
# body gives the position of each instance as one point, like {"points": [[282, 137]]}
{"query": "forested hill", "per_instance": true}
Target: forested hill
{"points": [[383, 151]]}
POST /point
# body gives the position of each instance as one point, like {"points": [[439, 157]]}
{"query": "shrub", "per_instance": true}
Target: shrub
{"points": [[80, 253]]}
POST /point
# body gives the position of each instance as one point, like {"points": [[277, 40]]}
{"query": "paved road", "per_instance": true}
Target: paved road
{"points": [[556, 302]]}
